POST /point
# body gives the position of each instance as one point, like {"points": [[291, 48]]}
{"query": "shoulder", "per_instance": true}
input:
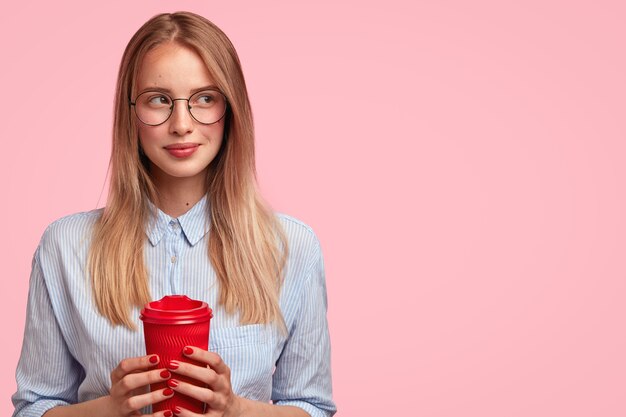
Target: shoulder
{"points": [[303, 244], [70, 231], [297, 231]]}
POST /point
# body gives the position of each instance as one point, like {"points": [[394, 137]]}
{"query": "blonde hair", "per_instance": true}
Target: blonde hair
{"points": [[247, 246]]}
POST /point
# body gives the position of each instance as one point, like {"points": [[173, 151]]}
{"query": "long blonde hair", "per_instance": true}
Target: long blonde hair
{"points": [[247, 247]]}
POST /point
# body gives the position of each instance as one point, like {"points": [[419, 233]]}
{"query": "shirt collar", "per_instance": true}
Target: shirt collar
{"points": [[194, 224]]}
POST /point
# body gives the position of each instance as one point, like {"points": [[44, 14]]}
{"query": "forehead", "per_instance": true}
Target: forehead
{"points": [[174, 67]]}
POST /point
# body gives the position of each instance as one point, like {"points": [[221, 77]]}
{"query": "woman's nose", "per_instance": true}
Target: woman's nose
{"points": [[181, 121]]}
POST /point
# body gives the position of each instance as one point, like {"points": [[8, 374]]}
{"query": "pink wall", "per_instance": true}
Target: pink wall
{"points": [[462, 163]]}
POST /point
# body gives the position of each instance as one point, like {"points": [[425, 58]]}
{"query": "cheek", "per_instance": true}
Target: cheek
{"points": [[148, 136], [216, 132]]}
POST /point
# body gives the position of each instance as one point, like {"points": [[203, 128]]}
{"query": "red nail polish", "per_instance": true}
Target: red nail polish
{"points": [[188, 351], [165, 374], [154, 359], [168, 413], [177, 410], [168, 391], [172, 383], [173, 365]]}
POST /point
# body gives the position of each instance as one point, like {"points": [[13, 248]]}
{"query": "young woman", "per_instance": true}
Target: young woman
{"points": [[183, 217]]}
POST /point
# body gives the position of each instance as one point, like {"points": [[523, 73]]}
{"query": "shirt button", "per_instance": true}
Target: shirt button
{"points": [[173, 259]]}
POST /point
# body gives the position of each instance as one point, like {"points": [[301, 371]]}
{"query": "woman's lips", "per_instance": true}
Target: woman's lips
{"points": [[181, 151]]}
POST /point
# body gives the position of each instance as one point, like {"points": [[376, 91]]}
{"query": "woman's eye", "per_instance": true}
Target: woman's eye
{"points": [[205, 99], [159, 100]]}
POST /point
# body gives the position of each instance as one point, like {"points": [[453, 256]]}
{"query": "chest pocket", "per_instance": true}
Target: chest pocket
{"points": [[248, 352]]}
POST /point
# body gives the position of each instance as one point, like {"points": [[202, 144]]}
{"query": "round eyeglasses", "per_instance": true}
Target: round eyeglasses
{"points": [[154, 108]]}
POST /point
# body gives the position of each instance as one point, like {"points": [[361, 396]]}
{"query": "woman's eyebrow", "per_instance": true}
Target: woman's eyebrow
{"points": [[167, 90]]}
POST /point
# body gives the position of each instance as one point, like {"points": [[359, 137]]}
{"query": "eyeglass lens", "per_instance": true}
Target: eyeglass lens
{"points": [[155, 107]]}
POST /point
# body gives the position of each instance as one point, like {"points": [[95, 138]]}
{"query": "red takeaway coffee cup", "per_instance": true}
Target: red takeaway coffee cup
{"points": [[169, 324]]}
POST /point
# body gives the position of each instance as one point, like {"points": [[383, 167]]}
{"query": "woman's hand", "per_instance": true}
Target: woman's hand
{"points": [[219, 396], [129, 387]]}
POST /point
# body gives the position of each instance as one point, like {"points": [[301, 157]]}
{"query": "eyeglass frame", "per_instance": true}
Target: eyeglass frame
{"points": [[134, 104]]}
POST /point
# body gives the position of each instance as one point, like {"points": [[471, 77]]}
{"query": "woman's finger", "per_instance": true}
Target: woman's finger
{"points": [[130, 365], [206, 395], [182, 412], [210, 358], [137, 402], [199, 373], [133, 381], [164, 413]]}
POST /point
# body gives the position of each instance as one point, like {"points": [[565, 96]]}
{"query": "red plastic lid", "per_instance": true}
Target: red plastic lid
{"points": [[176, 309]]}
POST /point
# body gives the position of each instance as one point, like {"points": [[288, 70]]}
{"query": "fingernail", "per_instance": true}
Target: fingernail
{"points": [[172, 383], [173, 365], [168, 413], [177, 410], [165, 374], [168, 391], [154, 359], [188, 350]]}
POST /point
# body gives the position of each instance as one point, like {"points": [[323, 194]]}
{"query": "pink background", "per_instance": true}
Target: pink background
{"points": [[461, 162]]}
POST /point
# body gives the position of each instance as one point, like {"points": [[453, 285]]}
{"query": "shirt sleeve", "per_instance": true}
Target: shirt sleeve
{"points": [[303, 374], [47, 374]]}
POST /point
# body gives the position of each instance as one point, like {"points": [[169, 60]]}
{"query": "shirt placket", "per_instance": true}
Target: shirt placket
{"points": [[174, 247]]}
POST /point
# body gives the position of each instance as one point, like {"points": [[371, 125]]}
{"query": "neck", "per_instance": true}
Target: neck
{"points": [[178, 195]]}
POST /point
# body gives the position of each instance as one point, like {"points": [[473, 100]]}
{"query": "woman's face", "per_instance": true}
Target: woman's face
{"points": [[179, 71]]}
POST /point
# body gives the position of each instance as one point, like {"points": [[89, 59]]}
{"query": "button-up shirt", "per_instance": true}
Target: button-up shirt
{"points": [[69, 349]]}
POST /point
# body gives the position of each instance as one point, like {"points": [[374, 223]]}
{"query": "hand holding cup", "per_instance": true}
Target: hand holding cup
{"points": [[129, 386]]}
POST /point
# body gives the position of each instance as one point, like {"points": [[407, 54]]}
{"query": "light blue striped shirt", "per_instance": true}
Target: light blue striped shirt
{"points": [[69, 349]]}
